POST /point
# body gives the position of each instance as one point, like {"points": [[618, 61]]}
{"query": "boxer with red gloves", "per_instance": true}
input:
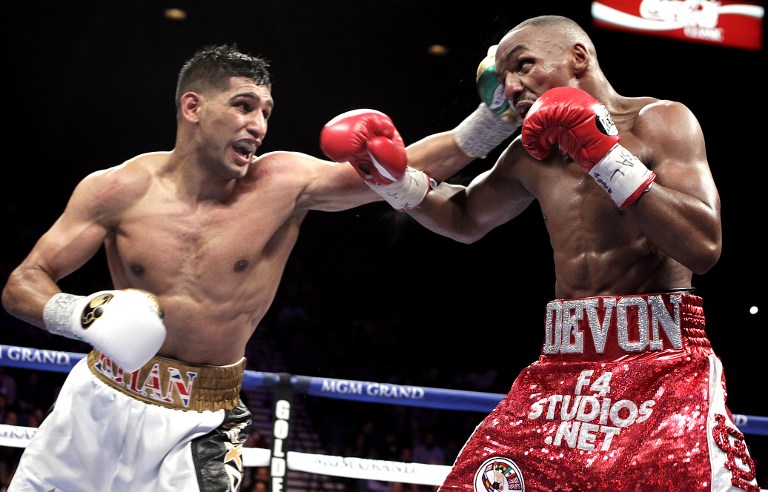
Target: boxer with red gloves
{"points": [[369, 141], [584, 130], [627, 387]]}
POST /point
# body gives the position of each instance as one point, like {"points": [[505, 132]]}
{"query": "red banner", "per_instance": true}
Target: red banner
{"points": [[725, 22]]}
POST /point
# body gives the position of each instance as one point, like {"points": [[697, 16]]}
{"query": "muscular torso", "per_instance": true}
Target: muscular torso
{"points": [[597, 248], [214, 266]]}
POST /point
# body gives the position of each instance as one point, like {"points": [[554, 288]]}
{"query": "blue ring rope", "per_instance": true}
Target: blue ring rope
{"points": [[340, 389]]}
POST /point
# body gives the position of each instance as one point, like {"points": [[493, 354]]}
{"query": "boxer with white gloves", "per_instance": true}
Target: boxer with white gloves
{"points": [[126, 325], [207, 227], [584, 130]]}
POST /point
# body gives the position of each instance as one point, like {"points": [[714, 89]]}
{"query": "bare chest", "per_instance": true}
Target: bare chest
{"points": [[203, 245]]}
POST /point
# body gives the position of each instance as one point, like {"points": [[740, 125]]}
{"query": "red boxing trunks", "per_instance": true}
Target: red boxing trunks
{"points": [[626, 395]]}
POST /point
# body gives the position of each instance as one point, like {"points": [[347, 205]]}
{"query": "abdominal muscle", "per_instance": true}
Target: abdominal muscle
{"points": [[598, 249], [210, 332]]}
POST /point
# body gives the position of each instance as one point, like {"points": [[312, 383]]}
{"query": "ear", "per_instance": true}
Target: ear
{"points": [[580, 59], [190, 104]]}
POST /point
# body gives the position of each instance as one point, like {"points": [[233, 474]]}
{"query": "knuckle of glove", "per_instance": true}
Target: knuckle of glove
{"points": [[574, 120], [389, 158], [146, 299], [491, 92], [121, 306], [535, 138], [338, 143]]}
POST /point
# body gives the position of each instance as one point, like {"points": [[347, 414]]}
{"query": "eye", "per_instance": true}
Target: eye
{"points": [[243, 106], [524, 65]]}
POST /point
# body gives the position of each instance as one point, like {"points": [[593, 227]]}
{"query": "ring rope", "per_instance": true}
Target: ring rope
{"points": [[342, 389], [16, 436]]}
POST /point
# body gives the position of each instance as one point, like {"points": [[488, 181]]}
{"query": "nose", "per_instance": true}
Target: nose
{"points": [[513, 86], [257, 125]]}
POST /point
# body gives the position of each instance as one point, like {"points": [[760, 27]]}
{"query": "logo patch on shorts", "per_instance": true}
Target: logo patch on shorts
{"points": [[499, 473]]}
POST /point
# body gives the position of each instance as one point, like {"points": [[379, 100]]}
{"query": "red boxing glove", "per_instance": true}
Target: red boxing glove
{"points": [[584, 130], [369, 141], [574, 120]]}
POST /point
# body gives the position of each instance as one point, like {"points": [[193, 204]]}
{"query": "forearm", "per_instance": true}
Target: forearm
{"points": [[442, 155], [438, 156], [682, 226], [443, 212], [27, 290]]}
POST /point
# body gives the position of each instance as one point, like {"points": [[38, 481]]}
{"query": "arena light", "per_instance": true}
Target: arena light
{"points": [[733, 23]]}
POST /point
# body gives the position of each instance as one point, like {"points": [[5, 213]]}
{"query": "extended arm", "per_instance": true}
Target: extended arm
{"points": [[369, 141], [443, 154], [467, 213]]}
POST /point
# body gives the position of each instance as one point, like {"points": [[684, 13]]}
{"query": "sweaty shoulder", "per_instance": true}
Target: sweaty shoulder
{"points": [[287, 173], [282, 158], [313, 183], [293, 168], [115, 188], [656, 112]]}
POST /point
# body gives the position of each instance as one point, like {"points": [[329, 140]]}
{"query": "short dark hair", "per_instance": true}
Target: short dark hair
{"points": [[211, 67]]}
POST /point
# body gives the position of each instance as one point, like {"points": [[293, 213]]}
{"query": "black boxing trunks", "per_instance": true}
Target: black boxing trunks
{"points": [[627, 395], [169, 426]]}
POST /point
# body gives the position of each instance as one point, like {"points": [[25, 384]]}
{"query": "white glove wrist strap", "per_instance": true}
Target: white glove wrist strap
{"points": [[57, 314], [622, 175], [407, 192], [482, 131]]}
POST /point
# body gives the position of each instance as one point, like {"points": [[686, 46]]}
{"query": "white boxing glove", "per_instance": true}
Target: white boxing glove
{"points": [[126, 325]]}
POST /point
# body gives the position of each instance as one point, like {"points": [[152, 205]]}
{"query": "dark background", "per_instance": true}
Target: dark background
{"points": [[89, 84]]}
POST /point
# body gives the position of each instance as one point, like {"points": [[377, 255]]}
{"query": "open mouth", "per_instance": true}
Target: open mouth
{"points": [[245, 149]]}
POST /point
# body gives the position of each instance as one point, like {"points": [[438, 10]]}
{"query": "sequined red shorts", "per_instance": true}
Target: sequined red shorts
{"points": [[627, 395]]}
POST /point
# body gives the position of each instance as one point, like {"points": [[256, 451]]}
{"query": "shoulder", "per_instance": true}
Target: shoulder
{"points": [[670, 129], [515, 161], [516, 170], [667, 136], [291, 166], [123, 183], [658, 113], [656, 122], [141, 167], [286, 158]]}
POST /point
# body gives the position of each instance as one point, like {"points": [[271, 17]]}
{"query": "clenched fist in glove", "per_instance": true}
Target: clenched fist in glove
{"points": [[494, 120], [491, 92], [126, 325], [584, 130], [369, 141]]}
